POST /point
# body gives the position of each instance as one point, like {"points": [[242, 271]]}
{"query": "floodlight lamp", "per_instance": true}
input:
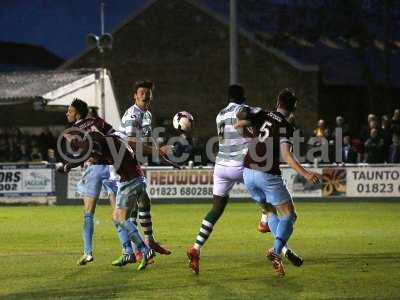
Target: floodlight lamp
{"points": [[92, 40], [106, 41]]}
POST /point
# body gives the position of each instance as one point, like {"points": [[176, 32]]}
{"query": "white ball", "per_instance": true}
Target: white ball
{"points": [[183, 121]]}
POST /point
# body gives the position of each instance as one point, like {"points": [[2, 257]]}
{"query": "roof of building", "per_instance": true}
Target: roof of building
{"points": [[336, 57], [18, 56], [339, 58], [24, 85]]}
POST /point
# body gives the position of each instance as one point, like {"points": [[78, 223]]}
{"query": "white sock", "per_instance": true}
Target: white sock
{"points": [[264, 218]]}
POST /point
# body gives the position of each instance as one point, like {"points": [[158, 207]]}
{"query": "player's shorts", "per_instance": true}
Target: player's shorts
{"points": [[264, 187], [225, 178], [129, 191], [111, 186], [92, 180]]}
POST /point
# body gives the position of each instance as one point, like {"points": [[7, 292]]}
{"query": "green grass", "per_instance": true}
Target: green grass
{"points": [[351, 251]]}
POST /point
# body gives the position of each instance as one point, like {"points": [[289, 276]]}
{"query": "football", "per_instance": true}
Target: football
{"points": [[183, 121]]}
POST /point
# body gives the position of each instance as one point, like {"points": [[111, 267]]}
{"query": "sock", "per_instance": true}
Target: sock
{"points": [[133, 234], [273, 222], [133, 216], [134, 221], [264, 218], [87, 233], [206, 229], [124, 239], [283, 232], [145, 223]]}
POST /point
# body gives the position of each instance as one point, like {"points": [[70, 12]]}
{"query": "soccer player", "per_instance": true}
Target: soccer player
{"points": [[89, 187], [111, 149], [262, 175], [228, 170], [135, 128], [129, 252]]}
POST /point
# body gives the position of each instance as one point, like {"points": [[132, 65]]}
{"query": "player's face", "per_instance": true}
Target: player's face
{"points": [[71, 114], [143, 97]]}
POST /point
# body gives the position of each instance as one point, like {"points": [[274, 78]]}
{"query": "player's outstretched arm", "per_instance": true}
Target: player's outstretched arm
{"points": [[289, 157], [146, 149]]}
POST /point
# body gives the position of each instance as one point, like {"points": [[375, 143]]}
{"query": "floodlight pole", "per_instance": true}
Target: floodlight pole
{"points": [[102, 16], [102, 85], [102, 71], [233, 39]]}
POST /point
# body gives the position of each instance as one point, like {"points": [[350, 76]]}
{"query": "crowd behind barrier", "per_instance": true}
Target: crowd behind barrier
{"points": [[378, 142]]}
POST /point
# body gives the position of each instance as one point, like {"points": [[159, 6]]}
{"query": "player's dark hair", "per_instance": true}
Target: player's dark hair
{"points": [[143, 84], [236, 93], [287, 100], [81, 107]]}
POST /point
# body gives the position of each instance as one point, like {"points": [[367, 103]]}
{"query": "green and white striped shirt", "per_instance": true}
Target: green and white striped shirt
{"points": [[232, 145], [136, 123]]}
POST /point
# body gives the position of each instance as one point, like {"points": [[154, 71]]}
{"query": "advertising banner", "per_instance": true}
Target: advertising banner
{"points": [[191, 183], [337, 181], [373, 182], [26, 180], [298, 186]]}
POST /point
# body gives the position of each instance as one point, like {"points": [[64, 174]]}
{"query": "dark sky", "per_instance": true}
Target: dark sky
{"points": [[62, 25]]}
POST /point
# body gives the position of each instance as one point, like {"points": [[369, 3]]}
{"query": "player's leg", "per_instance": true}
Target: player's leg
{"points": [[133, 218], [89, 208], [287, 218], [278, 195], [221, 188], [263, 224], [127, 195], [268, 216], [144, 207], [89, 188], [127, 250], [255, 183], [205, 231], [273, 221], [211, 218]]}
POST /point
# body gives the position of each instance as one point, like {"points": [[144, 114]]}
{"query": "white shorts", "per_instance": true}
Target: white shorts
{"points": [[225, 178]]}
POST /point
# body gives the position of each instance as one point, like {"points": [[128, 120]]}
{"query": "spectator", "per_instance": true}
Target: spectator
{"points": [[393, 156], [321, 130], [3, 148], [387, 133], [366, 129], [36, 156], [340, 123], [46, 141], [349, 152], [23, 153], [374, 148], [358, 146], [51, 156], [373, 124], [396, 122]]}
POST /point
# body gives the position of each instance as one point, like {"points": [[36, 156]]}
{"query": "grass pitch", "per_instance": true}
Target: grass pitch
{"points": [[351, 251]]}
